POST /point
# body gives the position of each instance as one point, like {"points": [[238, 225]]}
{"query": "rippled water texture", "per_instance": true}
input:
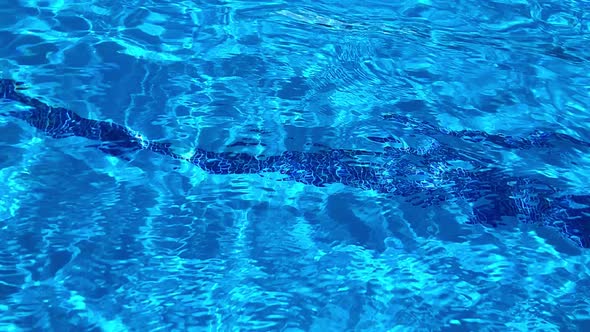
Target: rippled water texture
{"points": [[92, 242]]}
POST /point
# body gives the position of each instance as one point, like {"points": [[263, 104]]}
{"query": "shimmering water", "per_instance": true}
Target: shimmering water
{"points": [[93, 242]]}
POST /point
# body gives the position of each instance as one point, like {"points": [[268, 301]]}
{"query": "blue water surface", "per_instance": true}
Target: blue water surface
{"points": [[141, 242]]}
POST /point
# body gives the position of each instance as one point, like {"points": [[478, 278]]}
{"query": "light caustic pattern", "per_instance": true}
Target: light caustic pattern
{"points": [[312, 167]]}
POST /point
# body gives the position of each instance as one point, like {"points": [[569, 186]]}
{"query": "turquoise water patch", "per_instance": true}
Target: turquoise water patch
{"points": [[382, 135]]}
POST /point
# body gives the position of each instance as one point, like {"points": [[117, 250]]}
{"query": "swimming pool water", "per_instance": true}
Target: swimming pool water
{"points": [[431, 98]]}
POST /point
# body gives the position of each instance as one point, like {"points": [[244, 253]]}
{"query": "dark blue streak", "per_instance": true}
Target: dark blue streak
{"points": [[538, 139], [423, 178]]}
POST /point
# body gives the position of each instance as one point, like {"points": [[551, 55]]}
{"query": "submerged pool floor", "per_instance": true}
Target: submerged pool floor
{"points": [[298, 167]]}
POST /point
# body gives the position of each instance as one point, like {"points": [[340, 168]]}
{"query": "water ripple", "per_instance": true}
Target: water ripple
{"points": [[96, 243]]}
